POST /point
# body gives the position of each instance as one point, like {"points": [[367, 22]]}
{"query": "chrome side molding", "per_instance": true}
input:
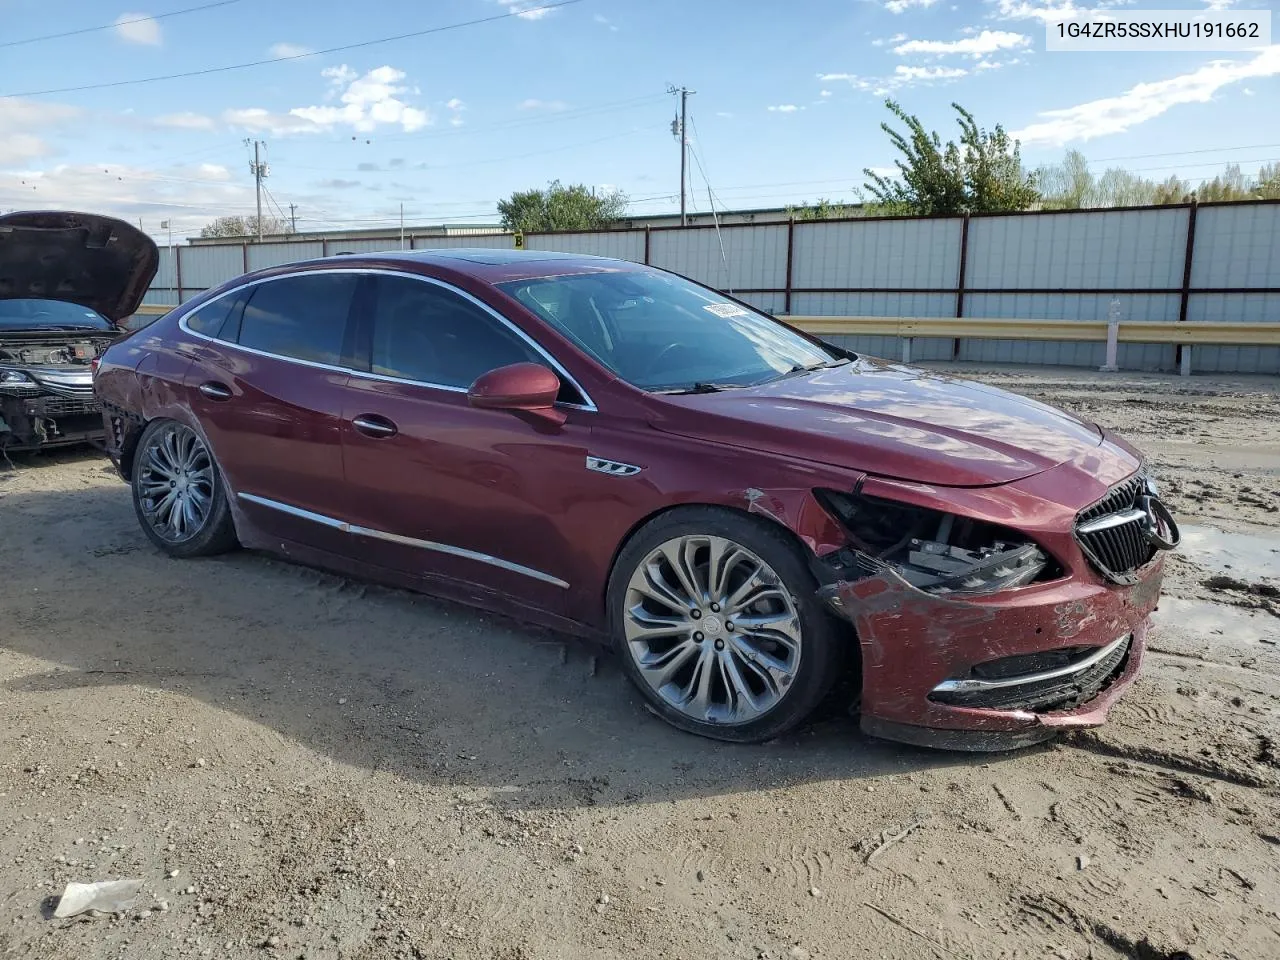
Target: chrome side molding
{"points": [[431, 545]]}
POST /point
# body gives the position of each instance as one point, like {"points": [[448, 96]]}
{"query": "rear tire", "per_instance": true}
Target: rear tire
{"points": [[715, 617], [178, 493]]}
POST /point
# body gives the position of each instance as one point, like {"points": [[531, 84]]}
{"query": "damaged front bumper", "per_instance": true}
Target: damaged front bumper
{"points": [[37, 418], [994, 671]]}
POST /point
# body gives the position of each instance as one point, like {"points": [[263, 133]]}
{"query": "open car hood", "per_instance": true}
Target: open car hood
{"points": [[83, 258]]}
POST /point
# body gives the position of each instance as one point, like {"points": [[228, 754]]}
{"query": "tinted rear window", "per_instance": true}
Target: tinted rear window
{"points": [[301, 317]]}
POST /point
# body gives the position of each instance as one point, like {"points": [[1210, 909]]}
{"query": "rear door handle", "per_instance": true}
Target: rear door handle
{"points": [[216, 391], [372, 425]]}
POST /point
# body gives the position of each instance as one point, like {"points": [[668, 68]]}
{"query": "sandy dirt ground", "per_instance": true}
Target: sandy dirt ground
{"points": [[300, 766]]}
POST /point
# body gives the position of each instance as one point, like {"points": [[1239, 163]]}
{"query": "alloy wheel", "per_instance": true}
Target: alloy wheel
{"points": [[712, 629], [175, 483]]}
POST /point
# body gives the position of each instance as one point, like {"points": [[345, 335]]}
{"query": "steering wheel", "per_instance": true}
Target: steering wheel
{"points": [[660, 356]]}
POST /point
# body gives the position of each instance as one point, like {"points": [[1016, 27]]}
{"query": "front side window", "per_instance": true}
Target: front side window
{"points": [[661, 332], [303, 317], [426, 333], [26, 314]]}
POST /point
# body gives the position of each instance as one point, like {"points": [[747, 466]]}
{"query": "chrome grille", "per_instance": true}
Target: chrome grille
{"points": [[1112, 533]]}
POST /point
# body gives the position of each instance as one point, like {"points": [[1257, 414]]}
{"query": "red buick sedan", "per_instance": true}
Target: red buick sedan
{"points": [[739, 509]]}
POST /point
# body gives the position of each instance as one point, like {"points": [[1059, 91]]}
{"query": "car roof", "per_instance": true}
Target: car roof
{"points": [[489, 264]]}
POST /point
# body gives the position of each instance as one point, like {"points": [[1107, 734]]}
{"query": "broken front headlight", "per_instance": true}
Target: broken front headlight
{"points": [[16, 382], [934, 551]]}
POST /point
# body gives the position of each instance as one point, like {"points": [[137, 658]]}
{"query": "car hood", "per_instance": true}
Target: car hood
{"points": [[889, 420], [83, 258]]}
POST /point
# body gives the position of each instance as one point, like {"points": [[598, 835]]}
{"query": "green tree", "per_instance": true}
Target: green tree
{"points": [[1268, 186], [558, 207], [824, 209], [1068, 185], [1231, 184], [981, 174], [242, 227], [1172, 190]]}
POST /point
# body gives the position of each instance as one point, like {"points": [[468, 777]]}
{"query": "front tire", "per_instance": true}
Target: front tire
{"points": [[717, 623], [178, 493]]}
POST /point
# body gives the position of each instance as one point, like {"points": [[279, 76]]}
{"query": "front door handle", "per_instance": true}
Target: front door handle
{"points": [[372, 425], [216, 391]]}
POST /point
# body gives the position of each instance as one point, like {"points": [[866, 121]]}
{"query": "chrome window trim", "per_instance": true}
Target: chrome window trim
{"points": [[973, 685], [359, 531], [589, 406]]}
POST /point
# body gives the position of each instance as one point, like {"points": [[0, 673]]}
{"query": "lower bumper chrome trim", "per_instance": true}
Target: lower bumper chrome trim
{"points": [[973, 685]]}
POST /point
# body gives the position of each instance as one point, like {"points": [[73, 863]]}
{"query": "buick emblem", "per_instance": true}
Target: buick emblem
{"points": [[1158, 526]]}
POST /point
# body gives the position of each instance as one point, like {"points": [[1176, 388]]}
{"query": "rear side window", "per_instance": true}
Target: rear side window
{"points": [[210, 318], [426, 333], [303, 317]]}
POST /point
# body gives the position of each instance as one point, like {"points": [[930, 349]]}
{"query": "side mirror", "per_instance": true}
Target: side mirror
{"points": [[520, 387]]}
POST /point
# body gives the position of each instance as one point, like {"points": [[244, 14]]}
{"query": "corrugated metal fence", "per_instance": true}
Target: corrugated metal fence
{"points": [[1216, 262]]}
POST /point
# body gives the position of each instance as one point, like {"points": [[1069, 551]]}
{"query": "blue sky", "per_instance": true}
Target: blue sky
{"points": [[788, 104]]}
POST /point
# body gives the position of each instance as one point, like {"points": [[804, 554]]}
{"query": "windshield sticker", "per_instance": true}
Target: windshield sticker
{"points": [[725, 310]]}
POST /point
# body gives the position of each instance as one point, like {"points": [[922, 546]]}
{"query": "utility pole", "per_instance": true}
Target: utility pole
{"points": [[402, 226], [260, 172], [293, 218], [679, 129]]}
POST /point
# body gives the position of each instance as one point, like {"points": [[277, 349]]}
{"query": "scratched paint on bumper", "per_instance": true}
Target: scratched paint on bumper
{"points": [[911, 641]]}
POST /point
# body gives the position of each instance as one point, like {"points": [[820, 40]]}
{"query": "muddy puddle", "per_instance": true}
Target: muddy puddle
{"points": [[1247, 556]]}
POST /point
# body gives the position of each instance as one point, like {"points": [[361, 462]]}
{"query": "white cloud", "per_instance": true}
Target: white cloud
{"points": [[527, 9], [20, 147], [258, 120], [922, 74], [185, 121], [605, 22], [784, 108], [724, 113], [211, 171], [902, 6], [289, 50], [1047, 11], [364, 102], [20, 121], [189, 196], [456, 104], [984, 44], [139, 28], [554, 106], [824, 93], [337, 76], [902, 76], [1145, 101]]}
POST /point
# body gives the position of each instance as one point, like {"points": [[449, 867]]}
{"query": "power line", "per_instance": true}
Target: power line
{"points": [[408, 172], [560, 117], [1186, 153], [299, 56], [118, 23]]}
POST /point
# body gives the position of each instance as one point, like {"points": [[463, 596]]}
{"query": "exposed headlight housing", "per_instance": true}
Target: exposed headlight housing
{"points": [[935, 552], [16, 380]]}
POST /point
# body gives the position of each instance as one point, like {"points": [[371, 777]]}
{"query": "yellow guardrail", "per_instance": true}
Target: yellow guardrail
{"points": [[1189, 332]]}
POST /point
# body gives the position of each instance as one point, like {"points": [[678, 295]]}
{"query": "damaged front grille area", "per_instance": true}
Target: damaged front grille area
{"points": [[994, 685], [1112, 532]]}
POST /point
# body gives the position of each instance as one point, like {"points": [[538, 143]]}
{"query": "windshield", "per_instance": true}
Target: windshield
{"points": [[661, 332], [49, 315]]}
